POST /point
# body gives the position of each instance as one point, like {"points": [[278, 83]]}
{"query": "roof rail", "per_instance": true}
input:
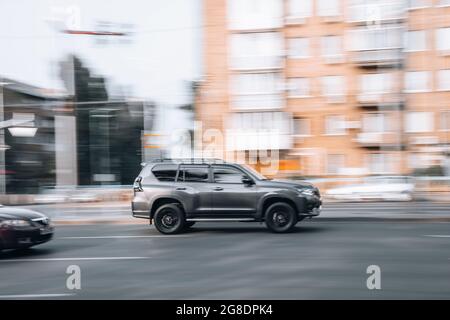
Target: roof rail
{"points": [[190, 160]]}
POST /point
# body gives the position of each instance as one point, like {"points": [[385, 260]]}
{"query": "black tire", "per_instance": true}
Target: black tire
{"points": [[280, 217], [169, 219], [189, 224]]}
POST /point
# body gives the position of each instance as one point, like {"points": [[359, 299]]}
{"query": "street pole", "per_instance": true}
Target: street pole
{"points": [[2, 142]]}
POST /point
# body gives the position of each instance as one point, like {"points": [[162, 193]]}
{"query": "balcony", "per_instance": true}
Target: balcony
{"points": [[376, 58], [263, 101], [368, 99], [377, 139], [259, 131], [382, 12], [255, 23], [250, 63]]}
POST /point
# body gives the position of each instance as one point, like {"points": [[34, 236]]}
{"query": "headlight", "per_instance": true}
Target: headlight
{"points": [[306, 192], [15, 223]]}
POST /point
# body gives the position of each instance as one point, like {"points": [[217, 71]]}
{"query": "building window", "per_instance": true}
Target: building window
{"points": [[328, 8], [375, 83], [331, 46], [417, 4], [380, 163], [335, 125], [256, 83], [417, 122], [299, 87], [376, 123], [335, 162], [376, 39], [443, 79], [415, 41], [417, 81], [300, 8], [256, 91], [302, 127], [299, 48], [444, 3], [442, 36], [333, 85], [259, 131], [445, 120], [255, 14], [262, 50]]}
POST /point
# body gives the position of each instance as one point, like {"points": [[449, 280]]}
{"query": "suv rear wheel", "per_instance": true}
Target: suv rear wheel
{"points": [[280, 217], [169, 219]]}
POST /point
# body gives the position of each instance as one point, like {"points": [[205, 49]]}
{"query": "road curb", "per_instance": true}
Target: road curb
{"points": [[385, 219], [90, 222], [327, 219]]}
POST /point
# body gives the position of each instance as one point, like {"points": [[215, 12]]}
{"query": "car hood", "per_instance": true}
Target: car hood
{"points": [[288, 184], [9, 213]]}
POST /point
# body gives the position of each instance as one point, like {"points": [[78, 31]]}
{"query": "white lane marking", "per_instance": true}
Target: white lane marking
{"points": [[45, 295], [74, 259], [124, 237], [437, 235]]}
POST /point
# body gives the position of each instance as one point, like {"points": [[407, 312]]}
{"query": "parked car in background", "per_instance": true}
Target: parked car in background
{"points": [[386, 188], [64, 194], [176, 194], [23, 228]]}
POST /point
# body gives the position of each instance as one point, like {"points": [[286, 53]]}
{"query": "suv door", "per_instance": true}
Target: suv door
{"points": [[231, 196], [193, 187]]}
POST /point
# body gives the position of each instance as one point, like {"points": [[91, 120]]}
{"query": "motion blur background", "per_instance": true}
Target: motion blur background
{"points": [[343, 90]]}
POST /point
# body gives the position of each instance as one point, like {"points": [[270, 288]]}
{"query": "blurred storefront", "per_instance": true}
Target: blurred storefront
{"points": [[50, 139]]}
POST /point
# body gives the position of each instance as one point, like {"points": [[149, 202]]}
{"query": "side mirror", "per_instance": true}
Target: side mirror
{"points": [[247, 180]]}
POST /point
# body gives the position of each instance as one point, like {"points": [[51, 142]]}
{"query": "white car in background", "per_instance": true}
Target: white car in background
{"points": [[388, 188]]}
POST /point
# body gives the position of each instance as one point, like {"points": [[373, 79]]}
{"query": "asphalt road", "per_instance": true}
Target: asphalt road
{"points": [[321, 259]]}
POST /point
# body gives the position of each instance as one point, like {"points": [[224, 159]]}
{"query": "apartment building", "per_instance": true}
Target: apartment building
{"points": [[337, 87]]}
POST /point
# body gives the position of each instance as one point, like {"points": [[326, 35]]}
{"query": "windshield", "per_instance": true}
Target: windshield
{"points": [[255, 173]]}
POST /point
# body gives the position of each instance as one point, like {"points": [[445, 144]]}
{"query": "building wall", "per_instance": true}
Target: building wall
{"points": [[380, 48]]}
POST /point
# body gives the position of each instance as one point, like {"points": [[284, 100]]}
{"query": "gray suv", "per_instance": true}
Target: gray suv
{"points": [[174, 194]]}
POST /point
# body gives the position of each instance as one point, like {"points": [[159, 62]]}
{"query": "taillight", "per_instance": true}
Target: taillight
{"points": [[137, 186]]}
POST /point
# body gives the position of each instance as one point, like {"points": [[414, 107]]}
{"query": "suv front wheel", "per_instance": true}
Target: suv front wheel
{"points": [[169, 219], [280, 217]]}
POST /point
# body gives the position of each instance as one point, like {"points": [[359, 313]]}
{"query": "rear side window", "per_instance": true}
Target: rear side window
{"points": [[193, 174], [165, 172]]}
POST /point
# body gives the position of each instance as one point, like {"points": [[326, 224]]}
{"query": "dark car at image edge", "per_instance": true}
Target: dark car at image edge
{"points": [[23, 228], [176, 193]]}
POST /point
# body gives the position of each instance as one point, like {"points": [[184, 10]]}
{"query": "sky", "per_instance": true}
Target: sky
{"points": [[156, 63]]}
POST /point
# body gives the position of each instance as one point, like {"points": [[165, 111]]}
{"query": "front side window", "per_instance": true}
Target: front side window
{"points": [[228, 175], [193, 174]]}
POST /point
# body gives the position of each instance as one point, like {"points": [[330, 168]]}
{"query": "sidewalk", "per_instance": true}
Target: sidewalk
{"points": [[119, 212]]}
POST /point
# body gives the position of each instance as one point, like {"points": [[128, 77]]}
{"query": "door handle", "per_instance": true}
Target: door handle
{"points": [[218, 189], [180, 188]]}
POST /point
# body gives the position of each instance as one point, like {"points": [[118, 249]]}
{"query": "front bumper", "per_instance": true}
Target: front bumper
{"points": [[22, 238], [314, 212]]}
